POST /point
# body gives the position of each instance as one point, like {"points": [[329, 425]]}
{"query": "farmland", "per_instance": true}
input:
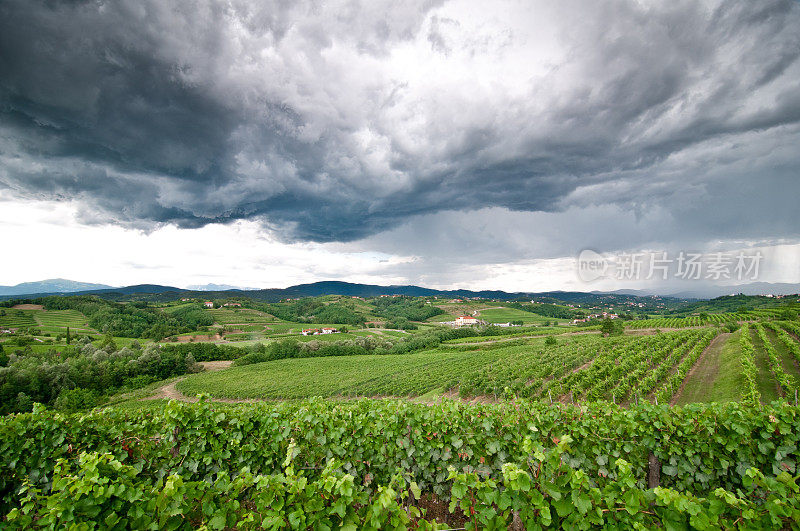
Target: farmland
{"points": [[52, 321], [368, 463], [505, 315], [578, 367], [543, 415]]}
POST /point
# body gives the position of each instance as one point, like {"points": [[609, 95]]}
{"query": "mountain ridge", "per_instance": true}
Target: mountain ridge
{"points": [[336, 287]]}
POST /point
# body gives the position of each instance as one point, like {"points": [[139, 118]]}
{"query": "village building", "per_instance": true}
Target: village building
{"points": [[319, 331], [208, 304], [466, 320]]}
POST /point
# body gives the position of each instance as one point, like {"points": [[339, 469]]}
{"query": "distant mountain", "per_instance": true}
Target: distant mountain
{"points": [[315, 289], [53, 285], [217, 287], [753, 288], [132, 290]]}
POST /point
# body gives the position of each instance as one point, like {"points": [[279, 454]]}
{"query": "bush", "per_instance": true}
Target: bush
{"points": [[71, 400]]}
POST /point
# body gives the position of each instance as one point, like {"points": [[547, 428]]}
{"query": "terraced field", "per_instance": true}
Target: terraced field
{"points": [[17, 319], [59, 320], [52, 321]]}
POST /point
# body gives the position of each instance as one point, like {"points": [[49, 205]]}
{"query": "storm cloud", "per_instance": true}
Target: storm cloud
{"points": [[336, 121]]}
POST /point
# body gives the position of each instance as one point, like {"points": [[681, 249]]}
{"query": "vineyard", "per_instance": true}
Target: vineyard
{"points": [[53, 321], [393, 464], [683, 322], [555, 430], [576, 368], [17, 319]]}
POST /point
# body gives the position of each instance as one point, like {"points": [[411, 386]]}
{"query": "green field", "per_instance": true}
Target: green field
{"points": [[505, 315], [718, 376], [239, 316], [578, 367]]}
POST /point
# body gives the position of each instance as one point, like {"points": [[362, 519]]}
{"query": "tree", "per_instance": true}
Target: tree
{"points": [[550, 341], [610, 328], [68, 338]]}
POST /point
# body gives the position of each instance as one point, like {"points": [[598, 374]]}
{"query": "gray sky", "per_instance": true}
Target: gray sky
{"points": [[448, 143]]}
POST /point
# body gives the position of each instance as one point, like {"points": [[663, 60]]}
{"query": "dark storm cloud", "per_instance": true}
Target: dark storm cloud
{"points": [[335, 121]]}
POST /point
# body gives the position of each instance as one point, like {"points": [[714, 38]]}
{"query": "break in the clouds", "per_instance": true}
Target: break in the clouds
{"points": [[335, 121]]}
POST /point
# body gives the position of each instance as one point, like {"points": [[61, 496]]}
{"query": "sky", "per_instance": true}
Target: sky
{"points": [[450, 144]]}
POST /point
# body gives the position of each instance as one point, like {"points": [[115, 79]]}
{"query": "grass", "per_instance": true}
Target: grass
{"points": [[718, 375], [765, 380], [787, 360], [504, 315]]}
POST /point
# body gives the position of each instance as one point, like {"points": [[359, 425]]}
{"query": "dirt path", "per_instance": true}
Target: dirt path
{"points": [[706, 367], [170, 392], [212, 366]]}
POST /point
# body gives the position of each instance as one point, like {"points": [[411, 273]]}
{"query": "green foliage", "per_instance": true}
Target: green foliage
{"points": [[404, 309], [319, 464], [400, 323], [72, 400], [205, 351], [193, 316], [611, 327], [749, 369], [120, 319], [75, 377], [315, 310]]}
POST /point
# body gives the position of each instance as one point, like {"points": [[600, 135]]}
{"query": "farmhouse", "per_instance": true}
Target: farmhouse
{"points": [[208, 304], [329, 331], [466, 320], [235, 304]]}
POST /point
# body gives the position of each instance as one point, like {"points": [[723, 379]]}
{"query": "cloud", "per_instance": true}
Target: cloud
{"points": [[336, 121]]}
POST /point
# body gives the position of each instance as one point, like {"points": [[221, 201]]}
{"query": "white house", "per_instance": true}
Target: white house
{"points": [[466, 320], [209, 304], [329, 331]]}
